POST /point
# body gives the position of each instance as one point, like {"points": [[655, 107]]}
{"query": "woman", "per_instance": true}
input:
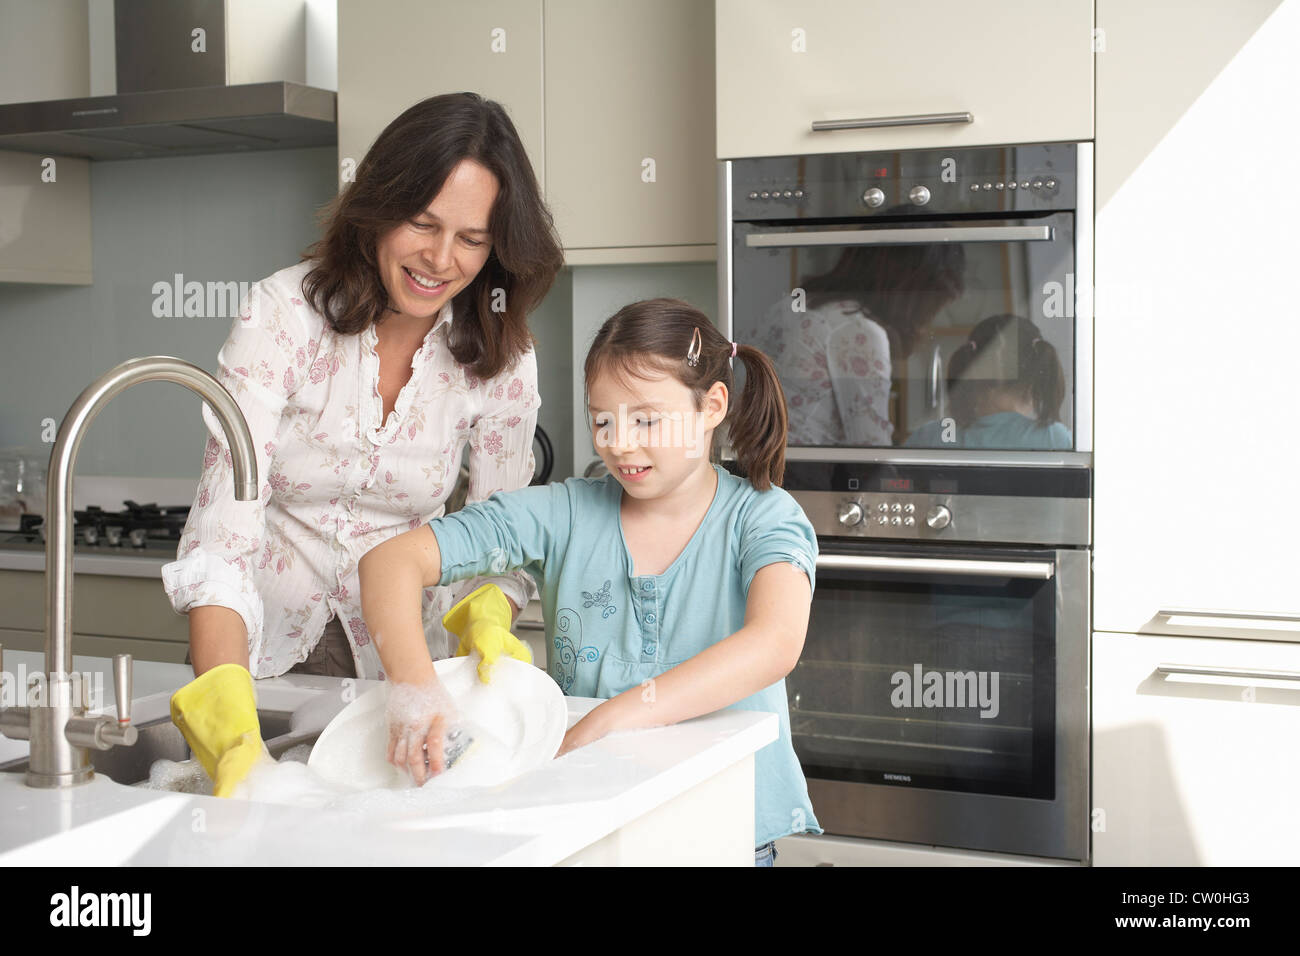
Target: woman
{"points": [[362, 372]]}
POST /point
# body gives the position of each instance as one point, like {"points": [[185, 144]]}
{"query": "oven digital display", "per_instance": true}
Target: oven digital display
{"points": [[895, 484]]}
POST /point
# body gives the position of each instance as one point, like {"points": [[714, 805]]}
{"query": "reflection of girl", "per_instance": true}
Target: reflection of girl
{"points": [[864, 318], [1005, 388]]}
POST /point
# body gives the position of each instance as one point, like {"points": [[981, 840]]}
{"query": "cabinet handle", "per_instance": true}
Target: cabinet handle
{"points": [[1202, 670], [1243, 624], [876, 122]]}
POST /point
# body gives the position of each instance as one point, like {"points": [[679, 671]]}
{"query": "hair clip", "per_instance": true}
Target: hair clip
{"points": [[734, 346], [693, 353]]}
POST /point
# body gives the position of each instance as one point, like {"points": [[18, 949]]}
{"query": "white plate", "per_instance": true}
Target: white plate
{"points": [[517, 721]]}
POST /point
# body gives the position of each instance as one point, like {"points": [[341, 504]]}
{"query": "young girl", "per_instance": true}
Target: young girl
{"points": [[668, 569]]}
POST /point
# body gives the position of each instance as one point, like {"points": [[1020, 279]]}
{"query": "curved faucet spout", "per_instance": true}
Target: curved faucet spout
{"points": [[58, 510]]}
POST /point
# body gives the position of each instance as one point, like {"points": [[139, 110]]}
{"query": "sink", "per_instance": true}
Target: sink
{"points": [[159, 739]]}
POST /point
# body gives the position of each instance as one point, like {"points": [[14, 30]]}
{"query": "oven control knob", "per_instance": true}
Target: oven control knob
{"points": [[938, 517], [850, 514], [883, 519], [920, 195], [138, 537], [874, 197]]}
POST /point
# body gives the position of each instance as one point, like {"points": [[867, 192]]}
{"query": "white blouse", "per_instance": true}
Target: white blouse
{"points": [[335, 480]]}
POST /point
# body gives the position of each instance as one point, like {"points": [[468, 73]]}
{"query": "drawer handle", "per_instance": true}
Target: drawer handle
{"points": [[876, 122], [1260, 627], [1251, 673]]}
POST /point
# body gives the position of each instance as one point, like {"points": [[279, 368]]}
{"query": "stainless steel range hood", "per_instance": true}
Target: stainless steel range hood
{"points": [[187, 76], [205, 119]]}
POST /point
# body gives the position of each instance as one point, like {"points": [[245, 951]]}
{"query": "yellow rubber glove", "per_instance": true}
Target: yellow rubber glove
{"points": [[217, 713], [481, 620]]}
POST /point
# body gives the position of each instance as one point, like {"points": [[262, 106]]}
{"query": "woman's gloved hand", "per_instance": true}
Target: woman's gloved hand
{"points": [[217, 713], [419, 716], [481, 620]]}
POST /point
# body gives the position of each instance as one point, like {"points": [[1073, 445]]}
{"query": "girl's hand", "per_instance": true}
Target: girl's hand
{"points": [[587, 730], [419, 716]]}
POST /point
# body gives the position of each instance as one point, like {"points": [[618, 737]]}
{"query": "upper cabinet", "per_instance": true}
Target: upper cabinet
{"points": [[1196, 331], [1022, 70], [629, 129], [44, 219], [394, 53], [613, 102]]}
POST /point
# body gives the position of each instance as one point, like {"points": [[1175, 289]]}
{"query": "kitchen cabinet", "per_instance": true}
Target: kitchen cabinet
{"points": [[613, 102], [44, 219], [1194, 769], [629, 121], [1195, 328], [110, 615], [394, 53], [1023, 69]]}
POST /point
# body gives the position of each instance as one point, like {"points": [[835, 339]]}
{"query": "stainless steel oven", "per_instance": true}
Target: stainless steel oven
{"points": [[942, 695], [933, 301], [928, 313]]}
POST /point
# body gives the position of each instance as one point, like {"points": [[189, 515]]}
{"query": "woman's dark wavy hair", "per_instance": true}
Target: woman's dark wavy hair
{"points": [[1011, 353], [400, 175], [655, 335], [903, 286]]}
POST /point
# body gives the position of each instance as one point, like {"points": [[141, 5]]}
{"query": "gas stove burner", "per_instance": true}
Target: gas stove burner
{"points": [[134, 526]]}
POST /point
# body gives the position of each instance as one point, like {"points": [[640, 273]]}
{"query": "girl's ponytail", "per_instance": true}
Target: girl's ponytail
{"points": [[759, 421]]}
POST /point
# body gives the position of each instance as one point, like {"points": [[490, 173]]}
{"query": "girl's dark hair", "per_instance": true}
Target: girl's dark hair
{"points": [[1006, 351], [400, 175], [655, 335], [902, 286]]}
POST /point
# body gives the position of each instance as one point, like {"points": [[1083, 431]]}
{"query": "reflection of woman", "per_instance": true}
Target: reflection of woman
{"points": [[864, 318], [362, 373], [1005, 388]]}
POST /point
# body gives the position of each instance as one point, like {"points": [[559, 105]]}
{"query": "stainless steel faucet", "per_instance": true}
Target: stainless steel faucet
{"points": [[61, 734]]}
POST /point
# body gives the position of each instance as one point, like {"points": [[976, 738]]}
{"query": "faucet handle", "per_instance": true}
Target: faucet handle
{"points": [[122, 667]]}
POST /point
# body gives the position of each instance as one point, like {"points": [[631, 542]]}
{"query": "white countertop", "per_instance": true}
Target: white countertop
{"points": [[539, 819]]}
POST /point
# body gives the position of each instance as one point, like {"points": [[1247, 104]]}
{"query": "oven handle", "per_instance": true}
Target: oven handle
{"points": [[1036, 570], [902, 237], [1203, 670], [876, 122]]}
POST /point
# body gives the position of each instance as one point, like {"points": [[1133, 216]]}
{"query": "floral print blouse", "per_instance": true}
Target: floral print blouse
{"points": [[335, 481], [834, 365]]}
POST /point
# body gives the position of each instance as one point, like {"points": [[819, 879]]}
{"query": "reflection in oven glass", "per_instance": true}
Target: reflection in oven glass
{"points": [[974, 723]]}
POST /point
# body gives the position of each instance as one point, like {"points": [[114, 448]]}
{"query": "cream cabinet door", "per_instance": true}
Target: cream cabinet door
{"points": [[44, 219], [629, 128], [1022, 68], [394, 53], [1196, 326], [1194, 769]]}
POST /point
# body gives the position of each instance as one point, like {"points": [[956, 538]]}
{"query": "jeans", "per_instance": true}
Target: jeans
{"points": [[765, 855]]}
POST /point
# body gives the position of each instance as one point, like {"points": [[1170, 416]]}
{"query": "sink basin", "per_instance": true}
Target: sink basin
{"points": [[160, 740]]}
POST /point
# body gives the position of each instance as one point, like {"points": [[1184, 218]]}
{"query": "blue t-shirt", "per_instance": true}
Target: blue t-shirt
{"points": [[999, 430], [609, 629]]}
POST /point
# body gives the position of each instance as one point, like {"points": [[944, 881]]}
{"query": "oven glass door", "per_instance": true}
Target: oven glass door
{"points": [[921, 333], [930, 668]]}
